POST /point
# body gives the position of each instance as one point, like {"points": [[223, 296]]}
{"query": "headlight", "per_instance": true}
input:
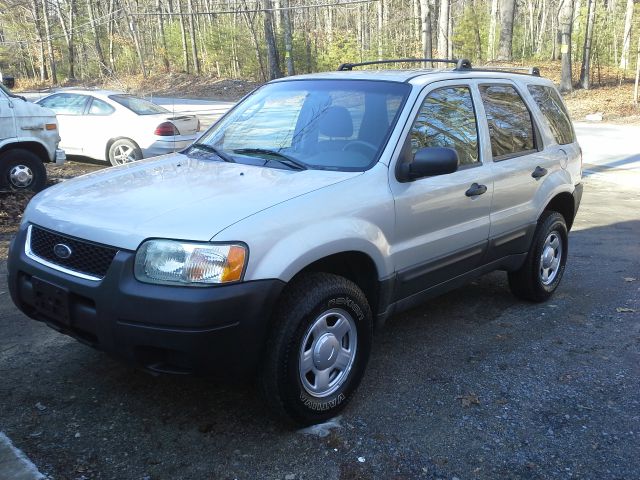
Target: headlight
{"points": [[171, 262]]}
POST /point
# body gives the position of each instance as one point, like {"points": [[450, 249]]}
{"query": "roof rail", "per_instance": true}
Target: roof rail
{"points": [[535, 71], [462, 64]]}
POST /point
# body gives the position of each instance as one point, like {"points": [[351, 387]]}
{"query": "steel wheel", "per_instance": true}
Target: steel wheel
{"points": [[20, 176], [327, 352], [550, 258]]}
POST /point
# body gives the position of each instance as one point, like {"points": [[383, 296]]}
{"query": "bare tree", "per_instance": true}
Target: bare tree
{"points": [[566, 15], [288, 38], [443, 29], [626, 36], [425, 29], [272, 47], [586, 51], [507, 15]]}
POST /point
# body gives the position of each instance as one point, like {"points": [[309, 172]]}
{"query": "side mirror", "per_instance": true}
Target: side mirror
{"points": [[431, 161]]}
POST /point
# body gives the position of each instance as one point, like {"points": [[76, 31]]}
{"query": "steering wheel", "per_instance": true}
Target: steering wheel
{"points": [[361, 145]]}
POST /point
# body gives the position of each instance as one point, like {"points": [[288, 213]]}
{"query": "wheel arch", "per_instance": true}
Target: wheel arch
{"points": [[31, 146], [564, 204], [353, 265]]}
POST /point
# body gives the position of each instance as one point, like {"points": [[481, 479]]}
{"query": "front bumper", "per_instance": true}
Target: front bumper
{"points": [[160, 328], [60, 156]]}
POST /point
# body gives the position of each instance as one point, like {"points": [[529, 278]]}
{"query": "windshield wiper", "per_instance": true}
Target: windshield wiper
{"points": [[280, 157], [214, 150]]}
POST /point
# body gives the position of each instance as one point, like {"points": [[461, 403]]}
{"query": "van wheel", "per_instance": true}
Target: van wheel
{"points": [[22, 170], [124, 151], [318, 349], [542, 271]]}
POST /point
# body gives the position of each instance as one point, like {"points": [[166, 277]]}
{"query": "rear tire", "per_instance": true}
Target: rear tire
{"points": [[319, 348], [124, 151], [22, 170], [542, 271]]}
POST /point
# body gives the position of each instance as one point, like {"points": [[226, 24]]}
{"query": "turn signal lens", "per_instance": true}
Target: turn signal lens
{"points": [[51, 126], [234, 265]]}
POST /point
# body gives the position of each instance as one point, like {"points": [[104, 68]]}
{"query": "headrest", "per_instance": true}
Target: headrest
{"points": [[336, 122]]}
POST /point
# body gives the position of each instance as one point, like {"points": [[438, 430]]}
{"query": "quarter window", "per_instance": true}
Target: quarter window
{"points": [[555, 113], [98, 107], [447, 119], [510, 125]]}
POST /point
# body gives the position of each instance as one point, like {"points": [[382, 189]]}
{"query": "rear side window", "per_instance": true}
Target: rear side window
{"points": [[66, 103], [98, 107], [447, 119], [137, 105], [555, 113], [509, 119]]}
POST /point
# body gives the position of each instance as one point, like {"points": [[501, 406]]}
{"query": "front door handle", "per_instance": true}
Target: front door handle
{"points": [[476, 190], [539, 172]]}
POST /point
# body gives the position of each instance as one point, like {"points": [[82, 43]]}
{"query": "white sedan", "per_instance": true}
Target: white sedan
{"points": [[118, 127]]}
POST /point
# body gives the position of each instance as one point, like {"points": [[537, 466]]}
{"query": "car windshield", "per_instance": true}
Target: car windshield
{"points": [[318, 124], [138, 105]]}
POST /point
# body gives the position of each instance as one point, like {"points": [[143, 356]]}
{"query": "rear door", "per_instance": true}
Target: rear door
{"points": [[442, 222], [69, 108], [520, 165]]}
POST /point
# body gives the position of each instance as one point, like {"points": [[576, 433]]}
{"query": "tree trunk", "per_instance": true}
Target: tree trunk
{"points": [[635, 87], [288, 38], [110, 25], [443, 29], [163, 38], [507, 14], [426, 34], [96, 39], [380, 29], [272, 47], [68, 34], [192, 36], [626, 37], [183, 37], [566, 15], [47, 32], [493, 20], [35, 11], [586, 51]]}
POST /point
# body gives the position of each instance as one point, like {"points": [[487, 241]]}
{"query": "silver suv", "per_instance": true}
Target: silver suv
{"points": [[311, 212]]}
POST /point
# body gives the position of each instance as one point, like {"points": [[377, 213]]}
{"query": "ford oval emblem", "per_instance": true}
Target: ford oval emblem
{"points": [[62, 251]]}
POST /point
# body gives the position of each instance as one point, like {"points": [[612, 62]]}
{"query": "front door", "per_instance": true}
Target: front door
{"points": [[70, 109], [442, 222], [7, 121]]}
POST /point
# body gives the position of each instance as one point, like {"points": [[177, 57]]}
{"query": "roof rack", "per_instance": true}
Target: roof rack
{"points": [[535, 71], [462, 64]]}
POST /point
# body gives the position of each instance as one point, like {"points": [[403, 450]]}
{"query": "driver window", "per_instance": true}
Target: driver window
{"points": [[447, 119]]}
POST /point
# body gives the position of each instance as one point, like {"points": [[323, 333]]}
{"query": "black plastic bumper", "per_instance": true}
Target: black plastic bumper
{"points": [[577, 198], [161, 328]]}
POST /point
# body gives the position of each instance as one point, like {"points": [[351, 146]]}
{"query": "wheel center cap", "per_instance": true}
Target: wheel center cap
{"points": [[325, 351], [547, 257]]}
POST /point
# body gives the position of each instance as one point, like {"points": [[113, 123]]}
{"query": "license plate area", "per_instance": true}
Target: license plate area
{"points": [[51, 300]]}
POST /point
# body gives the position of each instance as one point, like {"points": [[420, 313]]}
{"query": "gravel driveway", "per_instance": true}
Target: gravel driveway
{"points": [[473, 385]]}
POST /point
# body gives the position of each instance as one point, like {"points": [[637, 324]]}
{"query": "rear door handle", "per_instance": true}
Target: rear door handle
{"points": [[476, 190], [539, 172]]}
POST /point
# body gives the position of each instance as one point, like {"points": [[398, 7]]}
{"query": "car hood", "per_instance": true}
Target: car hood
{"points": [[168, 197]]}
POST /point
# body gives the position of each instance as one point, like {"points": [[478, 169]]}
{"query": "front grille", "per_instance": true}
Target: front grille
{"points": [[86, 257]]}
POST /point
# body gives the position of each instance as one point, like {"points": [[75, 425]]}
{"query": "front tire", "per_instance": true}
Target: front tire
{"points": [[22, 170], [318, 349], [542, 271], [124, 151]]}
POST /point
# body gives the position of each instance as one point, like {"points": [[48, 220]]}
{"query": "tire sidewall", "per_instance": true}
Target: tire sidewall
{"points": [[553, 223], [13, 158], [321, 408]]}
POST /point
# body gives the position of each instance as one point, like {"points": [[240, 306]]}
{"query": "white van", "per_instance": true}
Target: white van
{"points": [[29, 138]]}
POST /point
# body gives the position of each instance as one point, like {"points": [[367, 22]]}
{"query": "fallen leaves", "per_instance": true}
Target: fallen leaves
{"points": [[469, 399], [625, 310]]}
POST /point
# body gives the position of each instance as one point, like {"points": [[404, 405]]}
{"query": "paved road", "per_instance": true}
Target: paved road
{"points": [[474, 384]]}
